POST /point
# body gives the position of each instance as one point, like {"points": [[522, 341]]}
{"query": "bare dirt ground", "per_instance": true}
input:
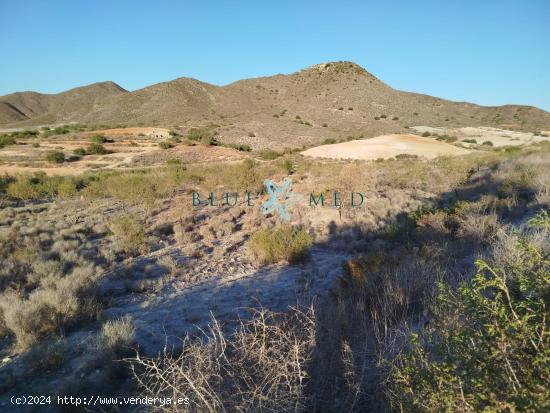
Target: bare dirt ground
{"points": [[385, 146]]}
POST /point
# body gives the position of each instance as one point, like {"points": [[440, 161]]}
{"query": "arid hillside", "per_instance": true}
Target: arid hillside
{"points": [[331, 100]]}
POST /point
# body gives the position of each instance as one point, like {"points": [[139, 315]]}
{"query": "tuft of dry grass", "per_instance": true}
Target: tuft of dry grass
{"points": [[117, 334]]}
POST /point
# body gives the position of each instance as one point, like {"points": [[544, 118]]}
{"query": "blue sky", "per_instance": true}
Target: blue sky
{"points": [[488, 52]]}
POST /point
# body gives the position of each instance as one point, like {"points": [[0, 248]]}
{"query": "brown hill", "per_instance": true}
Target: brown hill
{"points": [[31, 108], [331, 100]]}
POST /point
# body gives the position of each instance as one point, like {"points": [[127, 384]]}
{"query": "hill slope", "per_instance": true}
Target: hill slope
{"points": [[31, 108], [330, 100]]}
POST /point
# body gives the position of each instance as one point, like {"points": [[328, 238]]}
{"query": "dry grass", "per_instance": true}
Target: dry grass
{"points": [[117, 335]]}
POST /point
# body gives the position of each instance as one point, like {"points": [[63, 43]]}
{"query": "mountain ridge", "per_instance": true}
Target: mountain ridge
{"points": [[333, 99]]}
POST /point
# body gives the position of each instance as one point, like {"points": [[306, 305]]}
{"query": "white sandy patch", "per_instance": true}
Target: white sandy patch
{"points": [[499, 137]]}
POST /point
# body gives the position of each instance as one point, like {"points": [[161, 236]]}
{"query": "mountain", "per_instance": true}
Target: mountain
{"points": [[329, 100], [31, 108]]}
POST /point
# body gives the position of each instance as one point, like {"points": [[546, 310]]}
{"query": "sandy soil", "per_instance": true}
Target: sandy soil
{"points": [[499, 137], [385, 146]]}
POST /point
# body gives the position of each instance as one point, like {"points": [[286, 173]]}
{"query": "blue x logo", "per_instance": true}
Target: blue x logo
{"points": [[280, 198]]}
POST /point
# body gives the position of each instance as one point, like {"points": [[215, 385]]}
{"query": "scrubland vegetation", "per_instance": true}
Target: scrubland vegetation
{"points": [[443, 304], [283, 243]]}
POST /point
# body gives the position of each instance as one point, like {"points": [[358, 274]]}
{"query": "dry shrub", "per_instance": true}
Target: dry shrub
{"points": [[17, 256], [140, 187], [433, 227], [117, 334], [47, 311], [261, 367], [207, 233], [129, 231], [47, 357], [476, 224], [283, 243]]}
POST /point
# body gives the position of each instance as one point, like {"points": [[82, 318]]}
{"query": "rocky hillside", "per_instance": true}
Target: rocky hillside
{"points": [[330, 100]]}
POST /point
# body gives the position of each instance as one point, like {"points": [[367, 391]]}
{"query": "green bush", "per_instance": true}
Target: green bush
{"points": [[39, 186], [96, 149], [203, 135], [283, 243], [139, 187], [174, 139], [447, 138], [98, 139], [240, 147], [426, 134], [55, 156], [469, 140], [488, 346], [80, 151], [406, 156], [165, 145], [288, 166], [268, 154], [174, 162], [6, 140], [487, 143]]}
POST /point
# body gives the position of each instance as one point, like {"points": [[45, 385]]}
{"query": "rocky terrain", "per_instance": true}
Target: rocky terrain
{"points": [[329, 100]]}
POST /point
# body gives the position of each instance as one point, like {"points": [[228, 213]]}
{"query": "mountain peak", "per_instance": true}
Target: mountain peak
{"points": [[345, 67], [106, 85]]}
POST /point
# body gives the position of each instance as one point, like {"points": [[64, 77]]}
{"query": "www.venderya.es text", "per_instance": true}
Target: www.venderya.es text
{"points": [[97, 400]]}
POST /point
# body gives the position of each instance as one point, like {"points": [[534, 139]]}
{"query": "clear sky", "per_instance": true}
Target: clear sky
{"points": [[486, 51]]}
